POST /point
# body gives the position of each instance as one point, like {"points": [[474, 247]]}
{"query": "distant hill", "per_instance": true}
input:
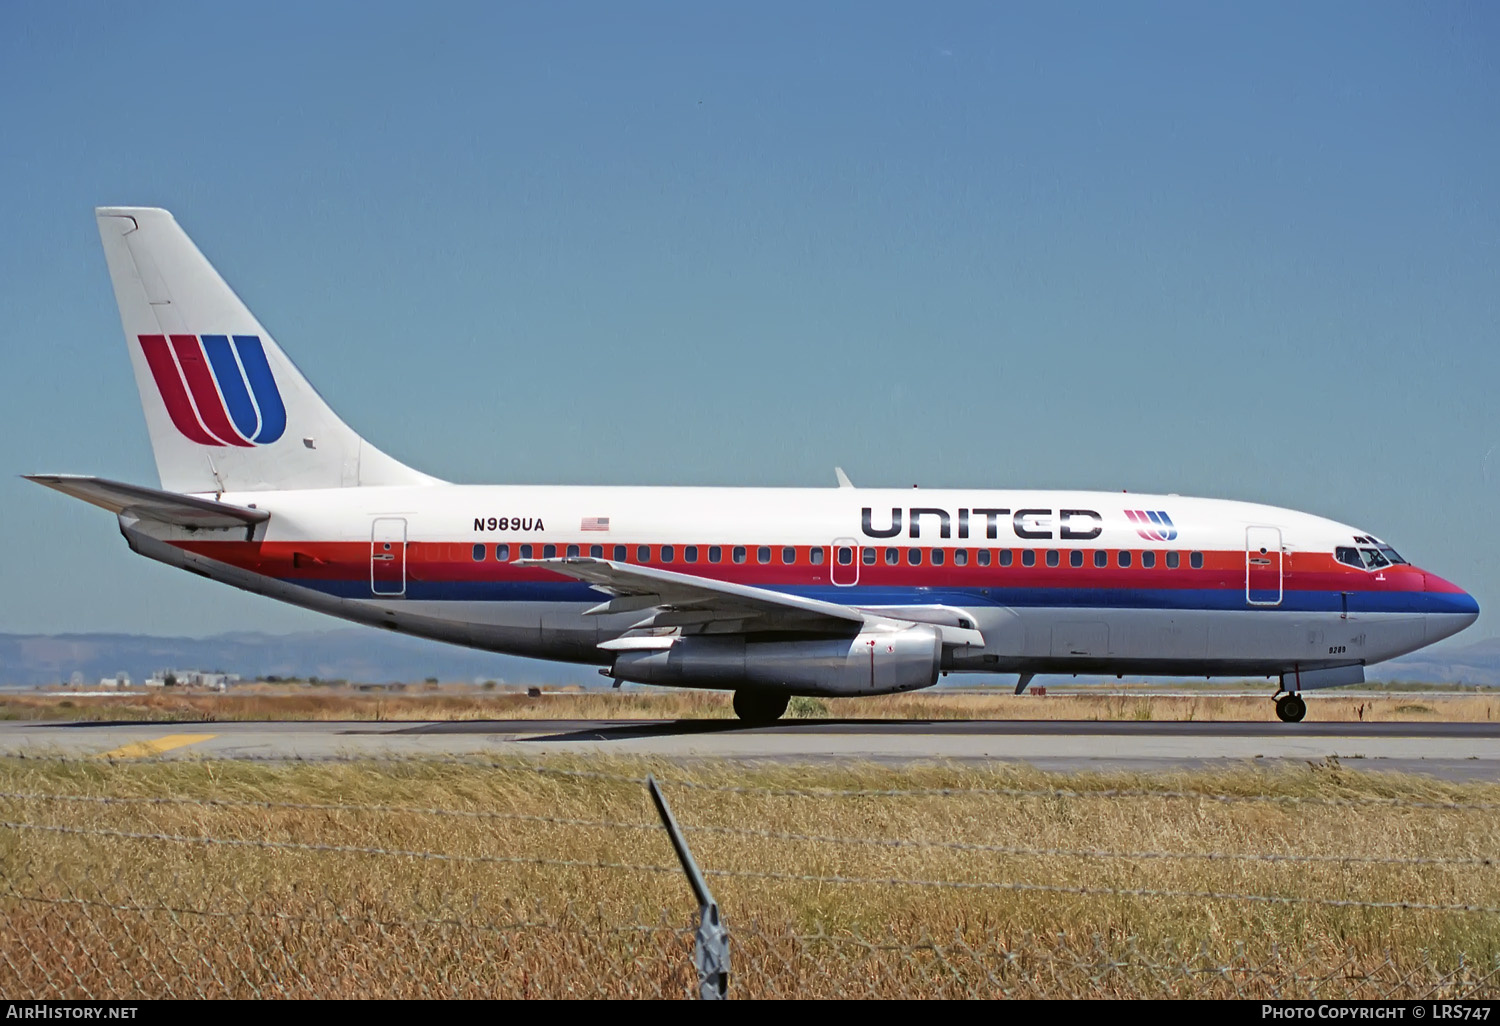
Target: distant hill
{"points": [[360, 654], [1447, 662], [366, 655]]}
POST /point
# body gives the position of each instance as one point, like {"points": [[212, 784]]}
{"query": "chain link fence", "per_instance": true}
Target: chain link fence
{"points": [[533, 883]]}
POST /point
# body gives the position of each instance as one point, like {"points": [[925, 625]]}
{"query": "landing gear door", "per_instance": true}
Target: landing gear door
{"points": [[388, 556], [1263, 566]]}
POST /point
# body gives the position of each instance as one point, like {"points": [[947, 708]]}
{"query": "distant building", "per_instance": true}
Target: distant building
{"points": [[192, 679], [119, 680]]}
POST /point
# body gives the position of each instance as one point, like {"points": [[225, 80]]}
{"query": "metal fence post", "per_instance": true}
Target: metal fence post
{"points": [[711, 946]]}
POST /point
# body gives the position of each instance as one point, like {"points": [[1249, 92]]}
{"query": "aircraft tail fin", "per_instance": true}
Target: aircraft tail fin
{"points": [[226, 409]]}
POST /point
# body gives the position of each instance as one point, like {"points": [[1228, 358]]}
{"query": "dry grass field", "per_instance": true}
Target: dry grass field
{"points": [[301, 702], [426, 878]]}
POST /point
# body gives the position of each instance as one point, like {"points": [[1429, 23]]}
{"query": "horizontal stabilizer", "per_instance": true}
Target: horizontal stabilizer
{"points": [[152, 503]]}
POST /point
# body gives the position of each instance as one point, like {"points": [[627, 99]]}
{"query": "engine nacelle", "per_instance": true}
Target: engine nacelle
{"points": [[871, 663]]}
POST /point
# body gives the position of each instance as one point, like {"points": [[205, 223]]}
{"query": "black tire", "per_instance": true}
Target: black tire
{"points": [[1291, 708], [759, 706]]}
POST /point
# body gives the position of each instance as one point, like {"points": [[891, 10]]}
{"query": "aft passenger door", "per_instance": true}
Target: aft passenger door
{"points": [[1263, 566], [388, 556], [843, 563]]}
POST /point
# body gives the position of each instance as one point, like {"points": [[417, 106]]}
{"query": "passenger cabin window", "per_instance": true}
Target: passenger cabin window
{"points": [[1052, 557], [788, 555], [1148, 560], [1101, 558], [983, 557], [1173, 558], [892, 557], [597, 551], [690, 553], [1006, 557], [549, 551], [845, 554], [914, 557], [1124, 557], [1075, 558], [763, 554], [867, 556], [960, 557], [937, 557], [502, 553], [525, 551], [1028, 557], [1195, 560], [715, 554], [478, 553], [739, 553], [620, 554], [572, 550], [667, 553], [815, 555], [643, 553]]}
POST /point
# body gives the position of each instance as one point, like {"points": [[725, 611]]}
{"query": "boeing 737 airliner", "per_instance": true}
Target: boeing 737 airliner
{"points": [[766, 592]]}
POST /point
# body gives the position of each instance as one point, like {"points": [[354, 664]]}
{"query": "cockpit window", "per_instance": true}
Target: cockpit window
{"points": [[1373, 555]]}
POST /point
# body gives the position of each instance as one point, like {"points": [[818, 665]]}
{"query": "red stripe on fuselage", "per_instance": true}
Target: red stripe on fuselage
{"points": [[205, 393], [173, 394], [453, 561]]}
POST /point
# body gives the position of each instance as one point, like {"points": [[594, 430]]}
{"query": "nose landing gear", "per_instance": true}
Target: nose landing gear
{"points": [[1290, 708]]}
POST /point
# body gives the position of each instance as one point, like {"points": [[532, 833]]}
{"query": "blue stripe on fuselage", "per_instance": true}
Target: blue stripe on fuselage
{"points": [[1082, 598]]}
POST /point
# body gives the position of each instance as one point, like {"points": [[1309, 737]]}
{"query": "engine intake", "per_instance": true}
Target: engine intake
{"points": [[871, 663]]}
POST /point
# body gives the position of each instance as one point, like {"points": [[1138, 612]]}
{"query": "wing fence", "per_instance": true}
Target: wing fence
{"points": [[467, 879]]}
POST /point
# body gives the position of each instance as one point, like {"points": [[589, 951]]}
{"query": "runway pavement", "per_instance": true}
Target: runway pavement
{"points": [[1458, 751]]}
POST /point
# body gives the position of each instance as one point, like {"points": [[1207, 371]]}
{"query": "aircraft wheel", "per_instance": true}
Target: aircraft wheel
{"points": [[759, 706], [1291, 708]]}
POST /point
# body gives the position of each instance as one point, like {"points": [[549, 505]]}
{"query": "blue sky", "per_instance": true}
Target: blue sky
{"points": [[1247, 251]]}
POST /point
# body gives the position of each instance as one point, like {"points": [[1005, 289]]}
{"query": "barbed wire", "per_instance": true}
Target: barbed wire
{"points": [[982, 885], [236, 803], [1101, 853], [208, 913], [775, 835], [493, 764], [1111, 892], [347, 849], [1018, 792]]}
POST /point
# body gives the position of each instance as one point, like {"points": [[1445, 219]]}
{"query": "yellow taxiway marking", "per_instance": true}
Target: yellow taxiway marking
{"points": [[157, 745]]}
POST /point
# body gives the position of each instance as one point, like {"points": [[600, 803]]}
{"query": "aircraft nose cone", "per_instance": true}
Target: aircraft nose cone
{"points": [[1453, 608]]}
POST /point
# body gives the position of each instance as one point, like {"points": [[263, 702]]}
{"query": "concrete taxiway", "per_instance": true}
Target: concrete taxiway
{"points": [[1457, 751]]}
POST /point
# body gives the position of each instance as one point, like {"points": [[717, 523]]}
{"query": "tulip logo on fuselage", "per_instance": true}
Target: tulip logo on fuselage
{"points": [[1152, 524]]}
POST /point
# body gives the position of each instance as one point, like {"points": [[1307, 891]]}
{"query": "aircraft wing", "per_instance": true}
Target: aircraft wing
{"points": [[684, 600], [152, 503]]}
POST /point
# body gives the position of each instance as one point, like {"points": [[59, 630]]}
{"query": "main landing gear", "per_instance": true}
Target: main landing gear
{"points": [[759, 706], [1290, 708]]}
